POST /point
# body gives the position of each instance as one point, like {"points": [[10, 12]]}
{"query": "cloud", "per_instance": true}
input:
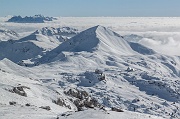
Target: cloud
{"points": [[169, 46], [149, 42]]}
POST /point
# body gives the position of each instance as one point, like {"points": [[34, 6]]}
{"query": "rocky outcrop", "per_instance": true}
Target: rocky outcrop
{"points": [[100, 75], [61, 102], [45, 107], [77, 93], [82, 99], [12, 103], [20, 90], [116, 109], [88, 103]]}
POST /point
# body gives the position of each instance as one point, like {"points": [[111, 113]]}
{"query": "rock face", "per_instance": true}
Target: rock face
{"points": [[31, 19], [20, 90], [45, 107], [12, 103], [82, 99], [77, 93], [61, 102], [100, 74], [116, 109]]}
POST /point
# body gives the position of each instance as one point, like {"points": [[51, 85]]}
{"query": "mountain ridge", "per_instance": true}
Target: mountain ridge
{"points": [[97, 39]]}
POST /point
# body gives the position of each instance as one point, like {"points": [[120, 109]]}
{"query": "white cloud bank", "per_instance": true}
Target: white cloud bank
{"points": [[170, 45]]}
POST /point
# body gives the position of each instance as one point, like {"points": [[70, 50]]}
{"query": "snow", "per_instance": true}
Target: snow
{"points": [[97, 38], [23, 112], [17, 51], [96, 114], [141, 70], [7, 34], [49, 38]]}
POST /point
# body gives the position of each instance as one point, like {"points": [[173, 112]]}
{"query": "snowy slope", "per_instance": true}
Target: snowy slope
{"points": [[36, 94], [98, 114], [17, 51], [40, 95], [21, 112]]}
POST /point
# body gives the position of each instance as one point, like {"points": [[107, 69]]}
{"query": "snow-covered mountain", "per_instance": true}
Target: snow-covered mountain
{"points": [[31, 19], [124, 63], [35, 44], [100, 40], [64, 31], [8, 34], [133, 38], [49, 38], [97, 73]]}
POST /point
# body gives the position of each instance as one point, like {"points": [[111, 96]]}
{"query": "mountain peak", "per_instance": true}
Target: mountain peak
{"points": [[95, 38], [96, 28]]}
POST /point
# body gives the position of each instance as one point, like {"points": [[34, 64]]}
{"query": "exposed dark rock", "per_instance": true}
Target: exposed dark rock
{"points": [[20, 90], [77, 93], [116, 109], [135, 100], [102, 77], [27, 105], [65, 114], [97, 71], [12, 103], [100, 74], [129, 69], [61, 102], [45, 107], [91, 102], [82, 99]]}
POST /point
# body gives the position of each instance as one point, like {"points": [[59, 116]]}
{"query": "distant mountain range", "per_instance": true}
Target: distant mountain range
{"points": [[31, 19]]}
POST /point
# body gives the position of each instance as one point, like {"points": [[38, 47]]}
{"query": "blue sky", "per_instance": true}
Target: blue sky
{"points": [[134, 8]]}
